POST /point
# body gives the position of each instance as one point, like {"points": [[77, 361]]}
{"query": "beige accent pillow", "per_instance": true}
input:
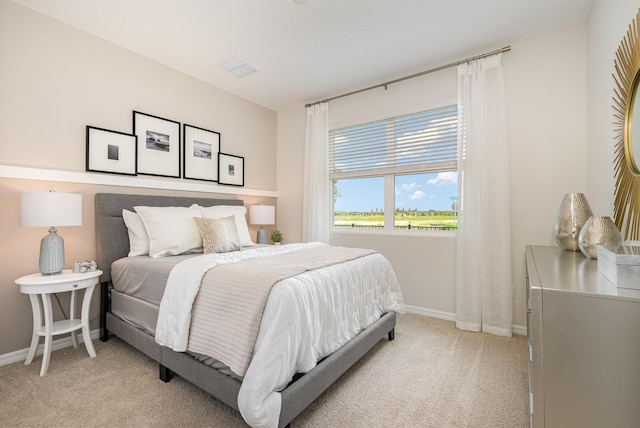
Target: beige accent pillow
{"points": [[238, 211], [218, 235]]}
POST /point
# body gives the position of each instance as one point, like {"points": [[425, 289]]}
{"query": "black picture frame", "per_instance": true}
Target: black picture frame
{"points": [[159, 145], [200, 148], [111, 152], [230, 169]]}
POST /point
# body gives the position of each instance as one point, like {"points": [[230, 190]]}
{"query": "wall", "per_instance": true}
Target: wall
{"points": [[54, 81], [545, 82]]}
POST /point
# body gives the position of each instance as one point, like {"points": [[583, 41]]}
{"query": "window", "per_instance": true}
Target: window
{"points": [[405, 165]]}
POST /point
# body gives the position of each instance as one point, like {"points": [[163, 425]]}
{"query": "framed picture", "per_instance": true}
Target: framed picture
{"points": [[200, 149], [230, 169], [158, 145], [111, 151]]}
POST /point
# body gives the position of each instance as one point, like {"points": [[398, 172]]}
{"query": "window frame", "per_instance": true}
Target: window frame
{"points": [[389, 176]]}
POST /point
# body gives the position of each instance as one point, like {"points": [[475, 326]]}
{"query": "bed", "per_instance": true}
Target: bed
{"points": [[134, 318]]}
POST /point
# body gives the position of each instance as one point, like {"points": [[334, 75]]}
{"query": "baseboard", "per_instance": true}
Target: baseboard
{"points": [[65, 342], [519, 329], [431, 313], [516, 329]]}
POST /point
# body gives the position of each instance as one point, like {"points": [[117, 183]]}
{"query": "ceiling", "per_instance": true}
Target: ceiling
{"points": [[311, 51]]}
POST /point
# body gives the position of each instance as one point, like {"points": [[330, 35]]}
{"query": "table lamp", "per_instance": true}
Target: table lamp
{"points": [[262, 215], [51, 209]]}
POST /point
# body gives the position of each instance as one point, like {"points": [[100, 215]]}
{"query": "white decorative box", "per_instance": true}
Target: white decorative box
{"points": [[621, 267]]}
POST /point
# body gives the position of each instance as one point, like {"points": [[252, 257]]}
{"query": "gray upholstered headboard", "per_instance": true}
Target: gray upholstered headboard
{"points": [[112, 239]]}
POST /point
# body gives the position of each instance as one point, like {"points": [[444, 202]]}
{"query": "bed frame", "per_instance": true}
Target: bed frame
{"points": [[112, 242]]}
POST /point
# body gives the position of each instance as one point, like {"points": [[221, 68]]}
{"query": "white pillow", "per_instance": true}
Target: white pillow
{"points": [[138, 236], [218, 235], [239, 212], [171, 230]]}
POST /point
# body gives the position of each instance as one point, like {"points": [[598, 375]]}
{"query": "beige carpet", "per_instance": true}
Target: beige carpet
{"points": [[432, 375]]}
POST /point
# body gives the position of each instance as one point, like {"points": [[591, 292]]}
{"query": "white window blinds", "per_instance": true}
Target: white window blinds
{"points": [[419, 142]]}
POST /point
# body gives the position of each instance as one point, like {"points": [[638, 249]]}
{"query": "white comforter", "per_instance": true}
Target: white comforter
{"points": [[306, 318]]}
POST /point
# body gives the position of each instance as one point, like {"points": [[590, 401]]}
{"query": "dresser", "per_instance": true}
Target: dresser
{"points": [[584, 343]]}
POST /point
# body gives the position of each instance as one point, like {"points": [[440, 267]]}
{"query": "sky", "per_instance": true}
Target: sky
{"points": [[421, 191]]}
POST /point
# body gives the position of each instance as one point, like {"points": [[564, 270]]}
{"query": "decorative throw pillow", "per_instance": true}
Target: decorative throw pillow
{"points": [[218, 235], [138, 236], [171, 230], [239, 212]]}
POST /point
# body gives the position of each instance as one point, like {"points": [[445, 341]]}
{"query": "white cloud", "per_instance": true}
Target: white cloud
{"points": [[445, 179], [418, 194], [410, 186]]}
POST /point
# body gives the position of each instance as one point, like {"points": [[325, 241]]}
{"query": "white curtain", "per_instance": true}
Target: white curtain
{"points": [[483, 281], [316, 201]]}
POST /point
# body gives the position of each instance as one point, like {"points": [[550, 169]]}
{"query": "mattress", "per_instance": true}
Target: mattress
{"points": [[138, 286], [143, 277]]}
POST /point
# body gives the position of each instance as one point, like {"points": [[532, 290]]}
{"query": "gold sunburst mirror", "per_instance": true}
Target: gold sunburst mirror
{"points": [[627, 133]]}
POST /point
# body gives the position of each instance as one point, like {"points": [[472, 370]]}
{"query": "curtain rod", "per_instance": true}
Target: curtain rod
{"points": [[422, 73]]}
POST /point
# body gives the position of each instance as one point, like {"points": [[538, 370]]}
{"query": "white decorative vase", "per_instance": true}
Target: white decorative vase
{"points": [[573, 214], [599, 231]]}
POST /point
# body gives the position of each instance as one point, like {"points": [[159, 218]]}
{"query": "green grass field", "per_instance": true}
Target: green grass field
{"points": [[418, 220]]}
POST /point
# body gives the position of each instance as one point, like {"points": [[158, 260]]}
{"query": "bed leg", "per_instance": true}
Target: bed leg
{"points": [[392, 334], [165, 373], [104, 308]]}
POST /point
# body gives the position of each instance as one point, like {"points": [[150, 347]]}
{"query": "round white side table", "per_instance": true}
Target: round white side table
{"points": [[44, 286]]}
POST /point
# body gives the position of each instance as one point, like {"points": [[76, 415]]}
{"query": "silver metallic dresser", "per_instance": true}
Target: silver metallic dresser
{"points": [[584, 343]]}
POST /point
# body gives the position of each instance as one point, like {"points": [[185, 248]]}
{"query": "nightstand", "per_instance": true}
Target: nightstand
{"points": [[44, 286]]}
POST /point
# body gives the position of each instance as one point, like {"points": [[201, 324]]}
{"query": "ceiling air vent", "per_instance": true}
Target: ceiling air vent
{"points": [[237, 67]]}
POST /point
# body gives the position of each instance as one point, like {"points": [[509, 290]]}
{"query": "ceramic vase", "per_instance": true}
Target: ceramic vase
{"points": [[599, 231], [573, 214]]}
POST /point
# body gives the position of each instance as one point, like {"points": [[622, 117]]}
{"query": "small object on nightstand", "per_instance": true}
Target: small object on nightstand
{"points": [[44, 286], [276, 237], [85, 266]]}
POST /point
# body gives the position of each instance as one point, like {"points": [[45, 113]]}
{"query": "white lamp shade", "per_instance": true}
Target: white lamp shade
{"points": [[47, 209], [262, 214]]}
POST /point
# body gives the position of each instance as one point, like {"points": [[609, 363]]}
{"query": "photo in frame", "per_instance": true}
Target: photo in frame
{"points": [[230, 169], [200, 153], [158, 145], [111, 151]]}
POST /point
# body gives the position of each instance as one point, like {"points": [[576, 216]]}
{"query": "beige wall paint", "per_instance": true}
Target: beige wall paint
{"points": [[545, 81], [291, 130], [54, 81]]}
